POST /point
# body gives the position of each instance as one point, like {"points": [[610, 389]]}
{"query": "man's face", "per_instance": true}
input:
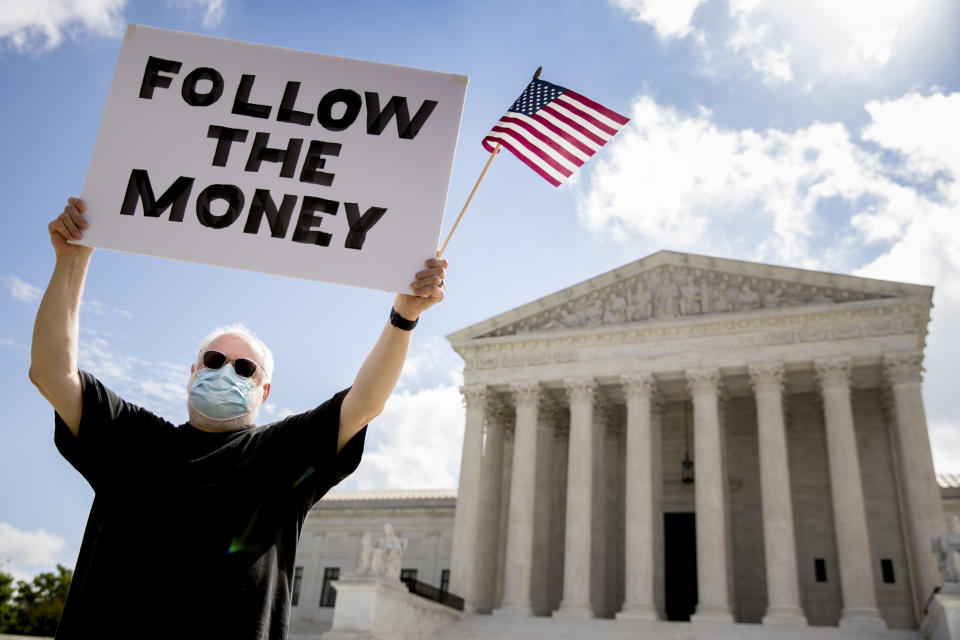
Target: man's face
{"points": [[233, 346]]}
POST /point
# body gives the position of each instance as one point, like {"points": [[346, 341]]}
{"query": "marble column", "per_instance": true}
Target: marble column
{"points": [[921, 494], [846, 486], [578, 540], [517, 572], [712, 583], [488, 536], [779, 541], [659, 573], [641, 519], [464, 560]]}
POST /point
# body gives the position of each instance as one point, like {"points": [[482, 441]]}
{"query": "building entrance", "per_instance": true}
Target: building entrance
{"points": [[680, 565]]}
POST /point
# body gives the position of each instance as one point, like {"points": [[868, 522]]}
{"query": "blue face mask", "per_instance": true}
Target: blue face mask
{"points": [[221, 394]]}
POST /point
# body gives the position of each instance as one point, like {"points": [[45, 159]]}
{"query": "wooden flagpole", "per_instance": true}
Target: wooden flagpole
{"points": [[479, 180], [469, 198]]}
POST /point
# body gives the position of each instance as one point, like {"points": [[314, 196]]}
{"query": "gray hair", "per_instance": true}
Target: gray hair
{"points": [[250, 336]]}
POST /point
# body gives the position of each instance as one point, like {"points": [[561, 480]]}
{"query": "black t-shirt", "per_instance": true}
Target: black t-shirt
{"points": [[193, 534]]}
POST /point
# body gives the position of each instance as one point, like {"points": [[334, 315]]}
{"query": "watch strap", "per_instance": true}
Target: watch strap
{"points": [[400, 322]]}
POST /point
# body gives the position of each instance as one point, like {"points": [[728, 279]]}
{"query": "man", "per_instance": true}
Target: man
{"points": [[193, 529]]}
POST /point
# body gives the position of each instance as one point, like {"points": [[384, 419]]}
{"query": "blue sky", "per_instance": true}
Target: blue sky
{"points": [[794, 133]]}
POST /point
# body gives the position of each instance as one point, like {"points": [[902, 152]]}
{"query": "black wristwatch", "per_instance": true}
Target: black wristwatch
{"points": [[400, 322]]}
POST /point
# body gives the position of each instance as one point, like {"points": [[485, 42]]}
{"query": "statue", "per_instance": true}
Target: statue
{"points": [[366, 554], [947, 548], [387, 556]]}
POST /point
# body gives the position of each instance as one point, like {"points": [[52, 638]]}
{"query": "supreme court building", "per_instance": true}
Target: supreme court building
{"points": [[683, 438], [694, 438]]}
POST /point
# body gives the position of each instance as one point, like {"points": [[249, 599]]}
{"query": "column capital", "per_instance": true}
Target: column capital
{"points": [[639, 385], [475, 394], [833, 373], [580, 389], [701, 381], [498, 413], [903, 368], [527, 394], [766, 377]]}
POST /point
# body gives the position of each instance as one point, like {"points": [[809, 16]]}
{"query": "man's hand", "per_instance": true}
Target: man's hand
{"points": [[69, 225], [427, 290]]}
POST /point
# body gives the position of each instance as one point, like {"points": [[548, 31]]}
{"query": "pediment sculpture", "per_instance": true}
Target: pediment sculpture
{"points": [[675, 292]]}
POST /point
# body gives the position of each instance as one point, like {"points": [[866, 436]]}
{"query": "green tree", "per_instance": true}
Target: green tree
{"points": [[34, 607], [7, 613]]}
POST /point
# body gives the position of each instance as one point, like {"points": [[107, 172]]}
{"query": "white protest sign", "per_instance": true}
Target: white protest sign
{"points": [[272, 160]]}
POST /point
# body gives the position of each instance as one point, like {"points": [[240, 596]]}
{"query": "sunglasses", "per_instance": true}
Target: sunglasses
{"points": [[212, 359]]}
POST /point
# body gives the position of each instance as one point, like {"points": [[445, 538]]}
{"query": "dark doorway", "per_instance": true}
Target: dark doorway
{"points": [[680, 565]]}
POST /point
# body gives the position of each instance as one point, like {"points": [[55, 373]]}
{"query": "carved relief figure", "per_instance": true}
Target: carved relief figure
{"points": [[641, 303], [773, 299], [593, 314], [616, 310], [690, 298], [748, 298], [666, 299], [718, 299]]}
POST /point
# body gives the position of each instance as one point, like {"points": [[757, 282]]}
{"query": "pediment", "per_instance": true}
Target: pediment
{"points": [[670, 285]]}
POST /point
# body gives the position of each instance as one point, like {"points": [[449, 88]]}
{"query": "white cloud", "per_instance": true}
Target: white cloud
{"points": [[785, 41], [681, 181], [430, 361], [669, 18], [23, 291], [814, 198], [37, 25], [416, 442], [25, 553], [213, 10]]}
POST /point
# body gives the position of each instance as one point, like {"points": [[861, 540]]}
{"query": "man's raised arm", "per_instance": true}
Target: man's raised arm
{"points": [[381, 370], [53, 356]]}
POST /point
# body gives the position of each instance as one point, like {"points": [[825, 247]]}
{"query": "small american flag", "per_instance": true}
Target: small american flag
{"points": [[554, 130]]}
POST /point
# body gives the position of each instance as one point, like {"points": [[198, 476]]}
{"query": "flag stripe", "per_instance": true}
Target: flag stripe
{"points": [[572, 141], [544, 155], [576, 126], [599, 108], [543, 138], [576, 111], [576, 116], [523, 158]]}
